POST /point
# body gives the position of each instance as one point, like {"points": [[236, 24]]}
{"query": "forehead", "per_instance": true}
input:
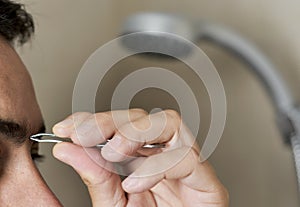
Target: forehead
{"points": [[11, 65], [17, 98]]}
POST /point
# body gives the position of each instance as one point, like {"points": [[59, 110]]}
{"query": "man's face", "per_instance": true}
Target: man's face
{"points": [[20, 116]]}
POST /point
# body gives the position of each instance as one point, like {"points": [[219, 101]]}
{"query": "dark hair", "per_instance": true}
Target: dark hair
{"points": [[16, 25]]}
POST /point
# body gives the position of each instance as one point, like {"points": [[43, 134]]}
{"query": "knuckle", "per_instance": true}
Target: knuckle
{"points": [[86, 119], [90, 117], [102, 116], [225, 194], [173, 114], [174, 117], [102, 119], [140, 125], [79, 114], [92, 180], [77, 135], [193, 155], [128, 132], [139, 111], [129, 146], [222, 194], [87, 181]]}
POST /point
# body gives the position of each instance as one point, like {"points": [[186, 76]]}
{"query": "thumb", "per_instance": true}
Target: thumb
{"points": [[104, 186]]}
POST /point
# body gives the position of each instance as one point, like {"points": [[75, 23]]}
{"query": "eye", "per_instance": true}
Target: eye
{"points": [[35, 152]]}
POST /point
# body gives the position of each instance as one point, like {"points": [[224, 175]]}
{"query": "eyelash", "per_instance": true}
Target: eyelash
{"points": [[37, 157], [34, 153]]}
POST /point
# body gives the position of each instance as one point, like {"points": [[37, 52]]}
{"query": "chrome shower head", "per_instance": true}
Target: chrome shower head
{"points": [[167, 33]]}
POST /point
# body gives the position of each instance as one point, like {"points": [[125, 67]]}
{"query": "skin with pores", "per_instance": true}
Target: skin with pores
{"points": [[20, 182], [188, 183]]}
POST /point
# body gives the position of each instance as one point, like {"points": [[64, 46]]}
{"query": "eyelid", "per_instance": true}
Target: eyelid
{"points": [[13, 131]]}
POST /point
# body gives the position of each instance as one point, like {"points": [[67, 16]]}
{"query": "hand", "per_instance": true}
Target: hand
{"points": [[173, 176]]}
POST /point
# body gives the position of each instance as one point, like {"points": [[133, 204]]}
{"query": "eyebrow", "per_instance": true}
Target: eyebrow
{"points": [[17, 132]]}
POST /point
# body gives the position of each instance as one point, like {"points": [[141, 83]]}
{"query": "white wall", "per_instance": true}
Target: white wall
{"points": [[251, 159]]}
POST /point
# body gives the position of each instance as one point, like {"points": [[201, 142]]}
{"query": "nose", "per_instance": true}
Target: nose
{"points": [[22, 185]]}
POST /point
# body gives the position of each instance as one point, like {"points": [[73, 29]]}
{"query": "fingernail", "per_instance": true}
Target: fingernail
{"points": [[62, 128], [128, 184], [65, 123], [58, 152], [111, 155], [115, 142], [110, 152], [61, 132]]}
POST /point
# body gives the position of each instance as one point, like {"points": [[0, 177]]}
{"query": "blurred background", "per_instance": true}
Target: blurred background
{"points": [[251, 158]]}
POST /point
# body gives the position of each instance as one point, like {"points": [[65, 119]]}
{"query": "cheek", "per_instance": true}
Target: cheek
{"points": [[13, 157]]}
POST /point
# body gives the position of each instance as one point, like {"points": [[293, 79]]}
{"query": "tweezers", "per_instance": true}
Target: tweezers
{"points": [[52, 138]]}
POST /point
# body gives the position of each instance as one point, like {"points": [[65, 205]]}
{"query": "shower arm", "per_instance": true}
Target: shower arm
{"points": [[287, 114]]}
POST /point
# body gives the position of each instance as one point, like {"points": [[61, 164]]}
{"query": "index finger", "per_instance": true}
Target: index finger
{"points": [[88, 129]]}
